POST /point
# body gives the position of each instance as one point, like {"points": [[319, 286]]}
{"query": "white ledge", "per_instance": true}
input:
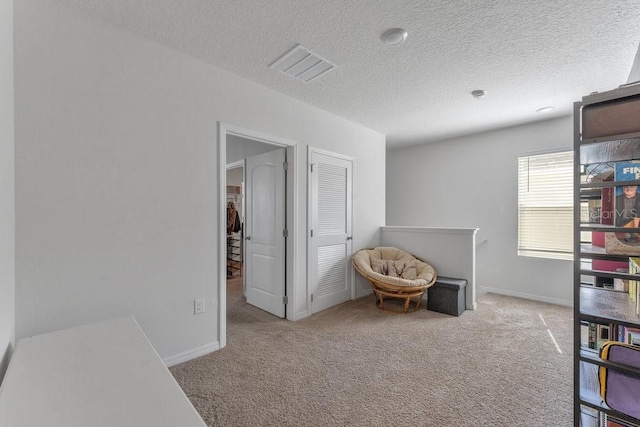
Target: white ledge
{"points": [[452, 250], [103, 374], [447, 230]]}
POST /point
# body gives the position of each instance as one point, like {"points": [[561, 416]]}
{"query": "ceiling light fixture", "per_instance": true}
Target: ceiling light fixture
{"points": [[394, 36], [545, 109], [478, 93]]}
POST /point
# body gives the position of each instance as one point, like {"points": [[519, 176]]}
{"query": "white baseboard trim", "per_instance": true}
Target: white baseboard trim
{"points": [[191, 354], [531, 297], [299, 316], [363, 293]]}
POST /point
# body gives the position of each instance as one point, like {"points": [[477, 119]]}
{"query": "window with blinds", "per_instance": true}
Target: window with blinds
{"points": [[545, 205]]}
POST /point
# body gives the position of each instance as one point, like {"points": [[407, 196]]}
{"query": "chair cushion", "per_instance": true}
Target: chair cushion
{"points": [[380, 266], [407, 269], [408, 265]]}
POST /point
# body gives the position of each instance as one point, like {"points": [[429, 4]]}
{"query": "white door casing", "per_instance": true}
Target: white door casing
{"points": [[293, 313], [264, 231], [330, 228]]}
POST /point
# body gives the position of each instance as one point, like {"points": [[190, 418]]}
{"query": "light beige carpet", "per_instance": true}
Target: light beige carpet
{"points": [[359, 366]]}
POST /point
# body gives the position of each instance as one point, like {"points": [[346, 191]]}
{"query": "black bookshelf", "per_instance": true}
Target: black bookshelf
{"points": [[597, 146]]}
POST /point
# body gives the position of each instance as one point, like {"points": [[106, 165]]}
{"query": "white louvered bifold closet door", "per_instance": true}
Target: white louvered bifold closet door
{"points": [[330, 229]]}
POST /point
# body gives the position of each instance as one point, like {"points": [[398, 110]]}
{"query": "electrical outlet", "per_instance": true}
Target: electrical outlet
{"points": [[198, 306]]}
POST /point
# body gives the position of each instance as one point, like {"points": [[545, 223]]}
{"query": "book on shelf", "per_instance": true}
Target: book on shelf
{"points": [[607, 203], [598, 238], [621, 285], [634, 268], [612, 422], [592, 336], [607, 209], [629, 335], [598, 334], [607, 217], [634, 285], [632, 336], [601, 211], [603, 335]]}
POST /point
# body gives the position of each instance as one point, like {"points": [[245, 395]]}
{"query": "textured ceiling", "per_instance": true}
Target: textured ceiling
{"points": [[525, 54]]}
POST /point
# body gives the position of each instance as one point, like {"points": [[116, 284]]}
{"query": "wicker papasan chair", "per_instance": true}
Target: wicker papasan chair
{"points": [[394, 273]]}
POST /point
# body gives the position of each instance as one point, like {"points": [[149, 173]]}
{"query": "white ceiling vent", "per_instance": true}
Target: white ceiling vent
{"points": [[302, 64]]}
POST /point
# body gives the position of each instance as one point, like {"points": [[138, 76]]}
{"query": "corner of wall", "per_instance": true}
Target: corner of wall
{"points": [[4, 361], [7, 188]]}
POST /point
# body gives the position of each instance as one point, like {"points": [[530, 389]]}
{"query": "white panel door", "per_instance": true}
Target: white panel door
{"points": [[330, 207], [264, 237]]}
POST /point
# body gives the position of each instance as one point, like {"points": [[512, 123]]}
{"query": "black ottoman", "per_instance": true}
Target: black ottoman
{"points": [[447, 296]]}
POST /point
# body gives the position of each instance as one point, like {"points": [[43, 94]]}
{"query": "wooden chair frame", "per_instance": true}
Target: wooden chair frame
{"points": [[407, 293]]}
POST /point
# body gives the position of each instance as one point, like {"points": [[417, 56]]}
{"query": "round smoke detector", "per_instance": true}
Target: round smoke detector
{"points": [[394, 36]]}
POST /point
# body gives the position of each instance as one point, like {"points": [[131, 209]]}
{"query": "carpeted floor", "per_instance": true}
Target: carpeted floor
{"points": [[356, 365]]}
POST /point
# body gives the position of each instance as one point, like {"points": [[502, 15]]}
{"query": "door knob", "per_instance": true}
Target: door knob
{"points": [[248, 238], [349, 237]]}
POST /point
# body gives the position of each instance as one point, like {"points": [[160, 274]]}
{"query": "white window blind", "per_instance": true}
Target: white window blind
{"points": [[545, 205]]}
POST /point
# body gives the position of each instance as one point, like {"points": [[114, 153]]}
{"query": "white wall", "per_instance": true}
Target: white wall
{"points": [[235, 177], [634, 75], [472, 182], [451, 252], [116, 188], [240, 148], [7, 200]]}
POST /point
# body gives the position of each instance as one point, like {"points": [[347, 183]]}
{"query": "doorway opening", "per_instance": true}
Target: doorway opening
{"points": [[235, 145], [235, 221]]}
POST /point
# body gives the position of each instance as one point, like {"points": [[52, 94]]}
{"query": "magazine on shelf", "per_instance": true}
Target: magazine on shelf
{"points": [[626, 213]]}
